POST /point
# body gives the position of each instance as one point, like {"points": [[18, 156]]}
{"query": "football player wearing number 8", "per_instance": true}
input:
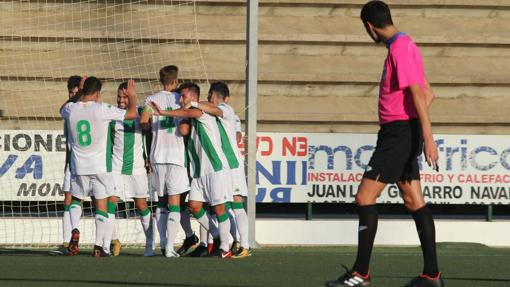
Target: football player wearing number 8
{"points": [[88, 122], [168, 159]]}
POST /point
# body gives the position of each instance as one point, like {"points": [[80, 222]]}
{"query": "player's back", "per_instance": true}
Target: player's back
{"points": [[229, 123], [205, 146], [167, 143], [88, 124]]}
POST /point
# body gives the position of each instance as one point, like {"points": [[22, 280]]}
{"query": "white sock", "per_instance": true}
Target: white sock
{"points": [[205, 220], [109, 232], [101, 227], [233, 225], [67, 227], [161, 222], [173, 226], [146, 220], [224, 228], [75, 214], [115, 235], [186, 221], [204, 236], [214, 221], [242, 224]]}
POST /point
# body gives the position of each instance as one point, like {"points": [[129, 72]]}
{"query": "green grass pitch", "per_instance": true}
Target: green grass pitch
{"points": [[463, 265]]}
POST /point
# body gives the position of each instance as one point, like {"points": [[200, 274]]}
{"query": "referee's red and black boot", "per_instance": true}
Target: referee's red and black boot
{"points": [[350, 279], [426, 281]]}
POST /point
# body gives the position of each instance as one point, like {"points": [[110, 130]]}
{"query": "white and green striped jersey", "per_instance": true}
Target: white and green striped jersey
{"points": [[167, 142], [208, 147], [228, 120], [238, 124], [88, 124], [128, 147]]}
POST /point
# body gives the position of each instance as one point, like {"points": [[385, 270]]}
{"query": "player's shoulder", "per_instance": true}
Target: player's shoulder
{"points": [[226, 108], [403, 44]]}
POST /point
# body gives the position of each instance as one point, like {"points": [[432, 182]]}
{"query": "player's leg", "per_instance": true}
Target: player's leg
{"points": [[177, 184], [137, 189], [224, 230], [415, 203], [67, 228], [158, 185], [191, 239], [202, 250], [102, 188], [146, 220], [234, 232], [80, 188], [110, 232], [173, 224], [242, 223], [240, 191]]}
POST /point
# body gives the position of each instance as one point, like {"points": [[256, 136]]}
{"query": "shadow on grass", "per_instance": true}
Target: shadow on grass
{"points": [[458, 279], [109, 282], [45, 252]]}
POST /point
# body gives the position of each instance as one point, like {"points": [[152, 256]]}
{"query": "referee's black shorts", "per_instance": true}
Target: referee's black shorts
{"points": [[396, 154]]}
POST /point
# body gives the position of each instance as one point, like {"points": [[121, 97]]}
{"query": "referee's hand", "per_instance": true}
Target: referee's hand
{"points": [[431, 154]]}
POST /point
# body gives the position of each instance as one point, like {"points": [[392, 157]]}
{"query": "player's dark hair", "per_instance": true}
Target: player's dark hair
{"points": [[122, 86], [194, 88], [73, 82], [377, 13], [168, 74], [221, 88], [92, 85]]}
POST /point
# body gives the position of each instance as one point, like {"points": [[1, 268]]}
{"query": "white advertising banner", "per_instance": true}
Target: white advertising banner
{"points": [[473, 169], [291, 167], [31, 165]]}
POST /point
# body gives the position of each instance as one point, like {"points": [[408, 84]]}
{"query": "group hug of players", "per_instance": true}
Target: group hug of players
{"points": [[188, 147]]}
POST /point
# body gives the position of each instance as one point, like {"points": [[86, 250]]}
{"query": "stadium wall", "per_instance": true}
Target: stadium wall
{"points": [[315, 54]]}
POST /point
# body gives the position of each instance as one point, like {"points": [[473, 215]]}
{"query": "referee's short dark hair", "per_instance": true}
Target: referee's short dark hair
{"points": [[377, 13], [221, 88], [73, 82]]}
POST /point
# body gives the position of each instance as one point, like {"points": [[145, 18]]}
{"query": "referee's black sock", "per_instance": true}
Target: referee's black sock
{"points": [[366, 234], [427, 233]]}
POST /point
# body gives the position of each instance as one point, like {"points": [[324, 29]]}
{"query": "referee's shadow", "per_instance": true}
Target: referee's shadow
{"points": [[466, 279], [20, 251]]}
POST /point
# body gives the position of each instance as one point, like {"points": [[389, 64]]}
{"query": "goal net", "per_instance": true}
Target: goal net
{"points": [[43, 42]]}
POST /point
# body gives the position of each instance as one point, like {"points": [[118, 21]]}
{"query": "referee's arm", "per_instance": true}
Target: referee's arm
{"points": [[420, 103]]}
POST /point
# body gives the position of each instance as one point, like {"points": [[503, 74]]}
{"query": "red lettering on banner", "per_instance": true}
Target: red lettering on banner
{"points": [[265, 146], [298, 146]]}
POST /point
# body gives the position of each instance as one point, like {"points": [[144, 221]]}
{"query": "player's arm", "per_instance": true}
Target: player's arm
{"points": [[145, 118], [132, 111], [420, 103], [184, 128], [429, 93], [179, 113], [147, 137], [209, 108]]}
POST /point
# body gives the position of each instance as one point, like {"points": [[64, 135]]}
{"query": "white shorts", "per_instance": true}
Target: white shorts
{"points": [[131, 186], [169, 179], [97, 185], [214, 188], [239, 186], [66, 186]]}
